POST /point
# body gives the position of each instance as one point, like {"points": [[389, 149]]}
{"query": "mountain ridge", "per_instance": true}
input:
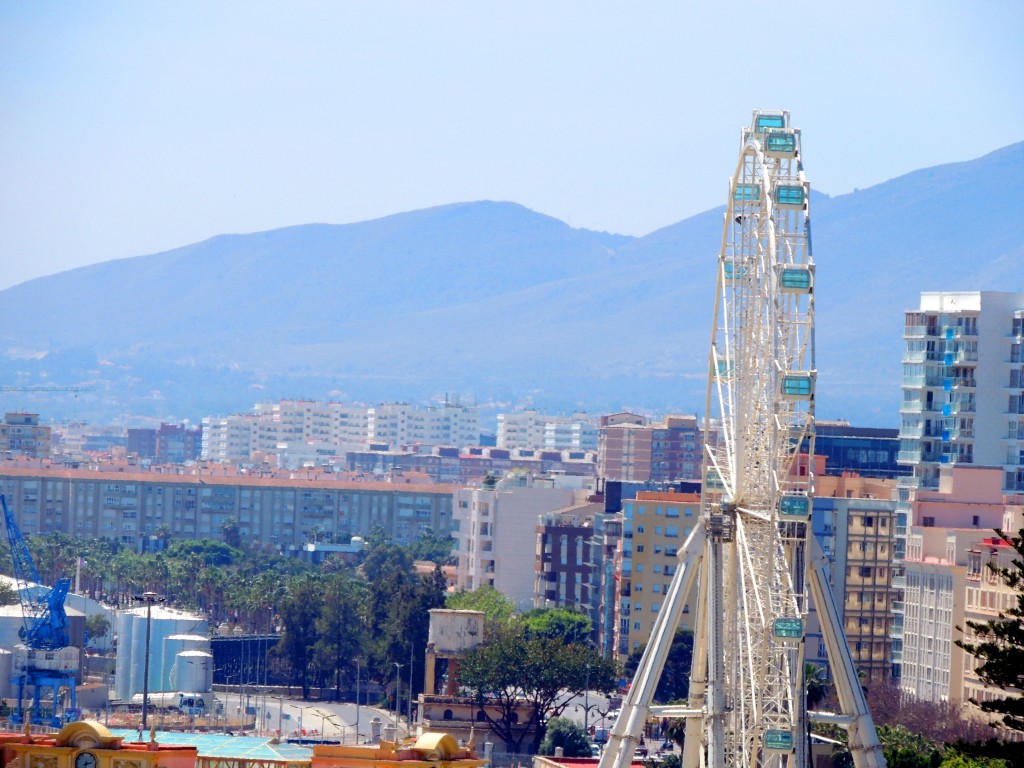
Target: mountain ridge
{"points": [[489, 299]]}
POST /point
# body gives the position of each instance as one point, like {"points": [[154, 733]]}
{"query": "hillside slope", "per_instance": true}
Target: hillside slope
{"points": [[491, 300]]}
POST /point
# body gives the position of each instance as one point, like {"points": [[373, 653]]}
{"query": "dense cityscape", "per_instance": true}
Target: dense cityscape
{"points": [[906, 516]]}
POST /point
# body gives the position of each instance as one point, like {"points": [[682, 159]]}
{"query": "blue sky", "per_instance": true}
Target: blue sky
{"points": [[130, 128]]}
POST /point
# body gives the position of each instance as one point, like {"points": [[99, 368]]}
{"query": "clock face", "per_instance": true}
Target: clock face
{"points": [[85, 760]]}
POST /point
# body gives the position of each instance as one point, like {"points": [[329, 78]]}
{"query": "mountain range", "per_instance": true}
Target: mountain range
{"points": [[493, 303]]}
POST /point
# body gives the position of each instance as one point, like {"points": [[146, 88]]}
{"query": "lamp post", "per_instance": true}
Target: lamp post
{"points": [[398, 684], [148, 598], [586, 703], [359, 676]]}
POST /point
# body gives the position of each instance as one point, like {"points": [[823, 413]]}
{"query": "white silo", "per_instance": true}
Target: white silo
{"points": [[7, 688], [123, 624], [192, 672], [131, 655], [173, 645]]}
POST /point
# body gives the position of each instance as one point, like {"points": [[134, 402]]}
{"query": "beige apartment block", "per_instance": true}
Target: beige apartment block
{"points": [[22, 434], [633, 449], [654, 527], [944, 573], [988, 596], [282, 512]]}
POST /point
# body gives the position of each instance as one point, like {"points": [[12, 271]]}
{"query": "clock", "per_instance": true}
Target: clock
{"points": [[85, 760]]}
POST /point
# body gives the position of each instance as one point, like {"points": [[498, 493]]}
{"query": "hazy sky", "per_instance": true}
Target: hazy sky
{"points": [[135, 127]]}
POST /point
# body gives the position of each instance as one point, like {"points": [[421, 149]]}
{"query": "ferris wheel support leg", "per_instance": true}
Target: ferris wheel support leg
{"points": [[693, 743], [865, 748], [629, 727]]}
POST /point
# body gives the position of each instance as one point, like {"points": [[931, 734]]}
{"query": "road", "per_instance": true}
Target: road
{"points": [[337, 721], [333, 720]]}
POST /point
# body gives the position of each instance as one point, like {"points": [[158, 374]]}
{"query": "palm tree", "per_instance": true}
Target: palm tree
{"points": [[816, 684], [816, 688]]}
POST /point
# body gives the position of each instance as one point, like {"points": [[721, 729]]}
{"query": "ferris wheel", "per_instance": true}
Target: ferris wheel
{"points": [[754, 563]]}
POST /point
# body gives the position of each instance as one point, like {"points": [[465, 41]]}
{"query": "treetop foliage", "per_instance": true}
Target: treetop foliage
{"points": [[567, 734], [558, 623], [205, 551]]}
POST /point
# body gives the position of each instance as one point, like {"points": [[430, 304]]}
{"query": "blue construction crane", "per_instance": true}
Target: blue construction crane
{"points": [[44, 630]]}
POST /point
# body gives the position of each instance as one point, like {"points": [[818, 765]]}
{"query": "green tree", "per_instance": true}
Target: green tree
{"points": [[558, 623], [674, 684], [8, 594], [563, 732], [208, 552], [816, 684], [497, 608], [900, 747], [340, 627], [953, 759], [434, 547], [300, 610], [97, 626], [231, 533], [518, 681], [1000, 642]]}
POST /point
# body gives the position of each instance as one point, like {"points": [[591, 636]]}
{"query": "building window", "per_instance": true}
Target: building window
{"points": [[928, 522]]}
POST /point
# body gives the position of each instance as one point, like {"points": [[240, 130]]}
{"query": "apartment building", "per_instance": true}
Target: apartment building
{"points": [[21, 433], [274, 512], [632, 449], [953, 521], [988, 596], [859, 537], [495, 530], [568, 559], [531, 430], [170, 444], [294, 432], [866, 451], [654, 527], [470, 465], [963, 386]]}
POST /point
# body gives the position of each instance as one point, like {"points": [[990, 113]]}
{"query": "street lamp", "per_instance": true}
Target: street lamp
{"points": [[398, 683], [586, 703], [148, 598], [359, 676]]}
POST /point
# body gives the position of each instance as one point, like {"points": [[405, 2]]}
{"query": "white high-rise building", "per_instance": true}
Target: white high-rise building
{"points": [[496, 533], [305, 429], [536, 431], [963, 385]]}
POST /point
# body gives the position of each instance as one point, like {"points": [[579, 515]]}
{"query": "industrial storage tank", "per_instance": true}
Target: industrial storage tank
{"points": [[131, 646], [123, 624], [172, 646], [7, 688], [192, 672]]}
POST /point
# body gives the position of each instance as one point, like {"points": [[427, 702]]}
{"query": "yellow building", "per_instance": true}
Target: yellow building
{"points": [[655, 526], [430, 750], [88, 744]]}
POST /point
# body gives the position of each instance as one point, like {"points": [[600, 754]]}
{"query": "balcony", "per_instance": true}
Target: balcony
{"points": [[908, 457], [914, 331]]}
